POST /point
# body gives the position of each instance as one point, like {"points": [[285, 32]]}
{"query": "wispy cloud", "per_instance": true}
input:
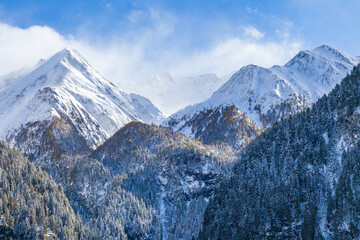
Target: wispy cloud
{"points": [[253, 33], [233, 53], [22, 47], [154, 47]]}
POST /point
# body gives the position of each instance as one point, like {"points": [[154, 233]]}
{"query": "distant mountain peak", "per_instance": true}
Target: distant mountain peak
{"points": [[321, 53], [329, 49]]}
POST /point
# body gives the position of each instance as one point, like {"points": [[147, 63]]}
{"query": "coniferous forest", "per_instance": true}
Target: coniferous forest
{"points": [[299, 179]]}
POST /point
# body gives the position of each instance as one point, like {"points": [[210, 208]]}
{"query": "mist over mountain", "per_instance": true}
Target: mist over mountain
{"points": [[171, 94]]}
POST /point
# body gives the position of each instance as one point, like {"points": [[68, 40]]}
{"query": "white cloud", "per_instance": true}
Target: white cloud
{"points": [[252, 32], [123, 61], [24, 47], [19, 47], [135, 16], [233, 53]]}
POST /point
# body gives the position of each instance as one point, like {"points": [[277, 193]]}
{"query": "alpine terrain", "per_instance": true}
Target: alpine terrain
{"points": [[272, 154], [33, 206], [298, 180], [261, 96], [66, 102]]}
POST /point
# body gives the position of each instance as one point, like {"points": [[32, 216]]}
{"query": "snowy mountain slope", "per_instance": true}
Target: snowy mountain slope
{"points": [[267, 95], [148, 112], [67, 87], [172, 94]]}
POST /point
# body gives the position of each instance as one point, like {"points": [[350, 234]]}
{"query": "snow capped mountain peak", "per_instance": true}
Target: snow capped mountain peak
{"points": [[250, 77], [267, 95], [68, 54], [310, 73], [72, 59], [336, 53], [67, 87], [65, 53], [68, 57], [330, 55]]}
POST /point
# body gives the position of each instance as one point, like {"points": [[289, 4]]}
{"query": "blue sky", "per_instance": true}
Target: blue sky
{"points": [[128, 40]]}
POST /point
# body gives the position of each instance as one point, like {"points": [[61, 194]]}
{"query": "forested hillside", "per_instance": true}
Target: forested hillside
{"points": [[298, 180], [32, 205], [225, 124], [172, 173]]}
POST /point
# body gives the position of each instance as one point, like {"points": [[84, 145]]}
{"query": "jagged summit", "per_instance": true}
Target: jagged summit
{"points": [[67, 87], [252, 78], [68, 53], [72, 59], [59, 66], [329, 51]]}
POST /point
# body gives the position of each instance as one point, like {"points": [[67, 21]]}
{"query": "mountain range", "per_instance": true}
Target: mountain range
{"points": [[271, 154]]}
